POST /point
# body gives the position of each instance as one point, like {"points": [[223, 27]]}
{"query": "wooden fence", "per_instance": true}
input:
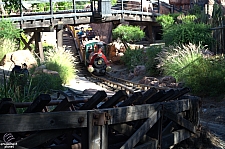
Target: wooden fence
{"points": [[100, 125]]}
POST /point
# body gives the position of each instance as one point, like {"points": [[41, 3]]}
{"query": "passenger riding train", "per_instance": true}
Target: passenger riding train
{"points": [[91, 50]]}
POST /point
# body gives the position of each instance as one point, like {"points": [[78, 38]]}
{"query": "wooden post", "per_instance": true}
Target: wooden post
{"points": [[59, 35], [41, 52], [151, 38], [37, 36], [97, 134]]}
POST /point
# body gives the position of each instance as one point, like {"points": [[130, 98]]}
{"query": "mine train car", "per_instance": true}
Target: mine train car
{"points": [[91, 50]]}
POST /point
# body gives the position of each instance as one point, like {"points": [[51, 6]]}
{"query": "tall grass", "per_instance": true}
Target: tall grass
{"points": [[6, 46], [61, 61]]}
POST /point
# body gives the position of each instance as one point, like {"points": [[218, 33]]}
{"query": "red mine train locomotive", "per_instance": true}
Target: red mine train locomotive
{"points": [[91, 50]]}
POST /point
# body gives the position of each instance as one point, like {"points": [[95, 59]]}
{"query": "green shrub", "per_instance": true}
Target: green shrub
{"points": [[6, 46], [206, 77], [61, 61], [165, 20], [46, 82], [188, 32], [8, 30], [175, 60], [133, 58], [151, 63]]}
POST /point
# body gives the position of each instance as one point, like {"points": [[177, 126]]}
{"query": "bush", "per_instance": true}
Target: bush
{"points": [[188, 32], [6, 46], [151, 63], [133, 58], [8, 30], [61, 61], [45, 82], [174, 60], [205, 76]]}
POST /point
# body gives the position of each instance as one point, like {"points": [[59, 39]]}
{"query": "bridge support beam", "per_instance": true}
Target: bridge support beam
{"points": [[59, 35], [37, 37]]}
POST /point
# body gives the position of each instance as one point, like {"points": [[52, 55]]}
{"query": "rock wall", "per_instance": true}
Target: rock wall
{"points": [[103, 30]]}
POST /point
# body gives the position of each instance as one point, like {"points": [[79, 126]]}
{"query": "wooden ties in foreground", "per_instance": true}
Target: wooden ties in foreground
{"points": [[153, 119]]}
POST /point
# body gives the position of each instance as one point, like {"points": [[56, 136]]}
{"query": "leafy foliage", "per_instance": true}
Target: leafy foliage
{"points": [[151, 63], [128, 33], [133, 58], [61, 61], [8, 30], [165, 20], [188, 32]]}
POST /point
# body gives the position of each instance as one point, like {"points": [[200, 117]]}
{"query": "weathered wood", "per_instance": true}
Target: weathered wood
{"points": [[5, 105], [39, 103], [174, 138], [135, 97], [37, 36], [41, 52], [41, 137], [167, 94], [149, 145], [148, 94], [134, 139], [27, 44], [42, 121], [119, 96], [131, 113], [97, 135], [94, 100], [179, 120], [59, 36], [156, 97], [128, 131], [63, 105]]}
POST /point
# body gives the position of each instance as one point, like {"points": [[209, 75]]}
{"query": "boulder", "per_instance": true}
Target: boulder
{"points": [[18, 58], [139, 70], [149, 81]]}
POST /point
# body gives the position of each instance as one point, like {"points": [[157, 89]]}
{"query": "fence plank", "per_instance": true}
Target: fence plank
{"points": [[41, 121], [179, 120], [134, 139], [174, 138], [39, 138]]}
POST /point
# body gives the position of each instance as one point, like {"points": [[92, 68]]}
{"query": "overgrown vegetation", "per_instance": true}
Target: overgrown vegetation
{"points": [[61, 61], [6, 46], [127, 33], [184, 30]]}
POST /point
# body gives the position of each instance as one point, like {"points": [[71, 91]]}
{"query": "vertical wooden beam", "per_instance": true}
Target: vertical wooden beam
{"points": [[150, 32], [37, 36], [97, 135], [41, 52], [59, 35]]}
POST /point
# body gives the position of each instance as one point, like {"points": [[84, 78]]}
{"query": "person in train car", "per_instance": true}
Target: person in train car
{"points": [[81, 32]]}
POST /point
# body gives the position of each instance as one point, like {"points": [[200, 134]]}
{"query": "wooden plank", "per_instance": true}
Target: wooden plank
{"points": [[42, 121], [131, 99], [179, 120], [39, 103], [156, 97], [94, 100], [149, 145], [134, 139], [148, 94], [97, 135], [41, 137], [63, 105], [174, 138], [131, 113], [5, 105], [128, 131], [119, 96]]}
